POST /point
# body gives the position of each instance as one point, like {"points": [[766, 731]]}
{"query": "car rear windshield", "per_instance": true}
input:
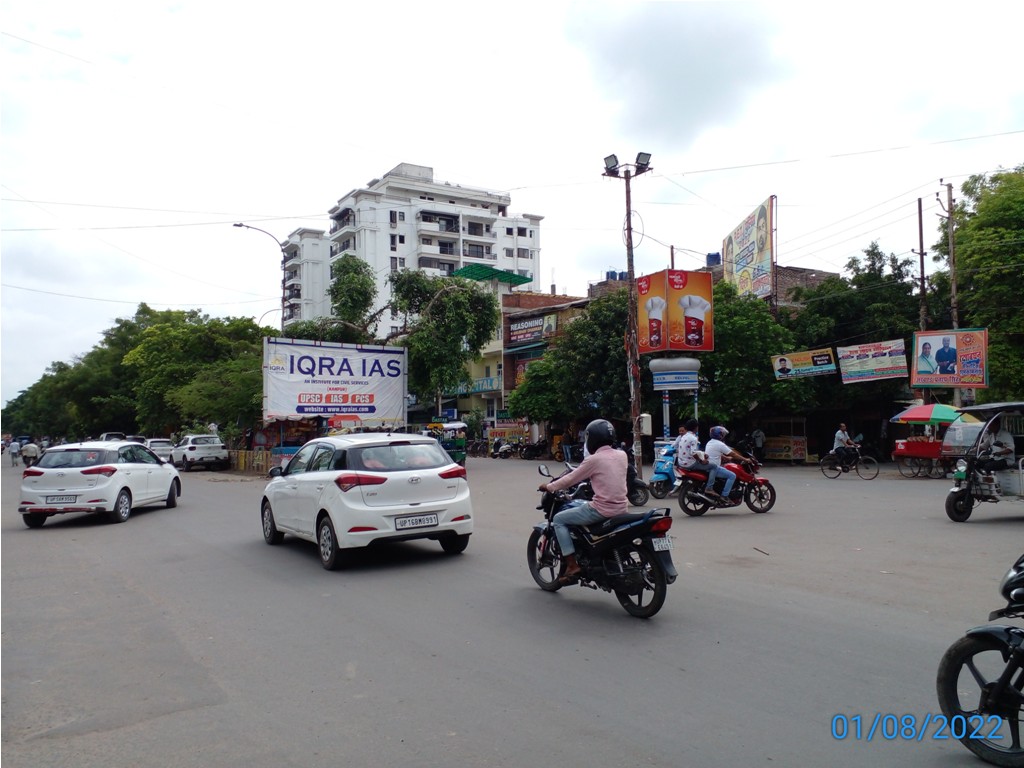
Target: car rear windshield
{"points": [[398, 457], [159, 443], [206, 441], [75, 457]]}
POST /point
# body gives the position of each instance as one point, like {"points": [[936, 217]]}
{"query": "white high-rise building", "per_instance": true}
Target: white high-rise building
{"points": [[406, 220]]}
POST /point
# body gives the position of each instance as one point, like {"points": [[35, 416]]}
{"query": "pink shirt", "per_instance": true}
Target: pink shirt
{"points": [[606, 470]]}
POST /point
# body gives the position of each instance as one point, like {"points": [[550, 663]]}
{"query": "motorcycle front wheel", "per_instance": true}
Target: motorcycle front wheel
{"points": [[545, 563], [638, 496], [959, 505], [969, 667], [692, 507], [760, 498], [660, 488], [647, 585]]}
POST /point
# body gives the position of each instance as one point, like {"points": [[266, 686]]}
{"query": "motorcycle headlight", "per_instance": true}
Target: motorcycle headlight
{"points": [[961, 465]]}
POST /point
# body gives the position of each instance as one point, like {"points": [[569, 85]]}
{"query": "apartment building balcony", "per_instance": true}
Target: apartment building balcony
{"points": [[472, 251], [293, 293], [290, 276]]}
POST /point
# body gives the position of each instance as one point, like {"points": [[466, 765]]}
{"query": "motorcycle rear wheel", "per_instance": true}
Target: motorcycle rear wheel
{"points": [[638, 496], [829, 466], [692, 507], [545, 563], [971, 664], [660, 488], [760, 498], [637, 561]]}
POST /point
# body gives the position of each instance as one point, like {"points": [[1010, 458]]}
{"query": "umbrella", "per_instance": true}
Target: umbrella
{"points": [[935, 413]]}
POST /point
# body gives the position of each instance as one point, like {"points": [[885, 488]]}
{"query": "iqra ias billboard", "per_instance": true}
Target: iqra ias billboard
{"points": [[304, 379]]}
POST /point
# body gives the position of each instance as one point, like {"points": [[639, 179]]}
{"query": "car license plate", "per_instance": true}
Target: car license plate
{"points": [[662, 544], [61, 499], [415, 521]]}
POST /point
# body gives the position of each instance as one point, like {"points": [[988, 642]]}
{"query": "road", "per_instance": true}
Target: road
{"points": [[181, 639]]}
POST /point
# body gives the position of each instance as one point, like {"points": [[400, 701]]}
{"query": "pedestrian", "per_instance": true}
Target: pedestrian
{"points": [[15, 452], [758, 437]]}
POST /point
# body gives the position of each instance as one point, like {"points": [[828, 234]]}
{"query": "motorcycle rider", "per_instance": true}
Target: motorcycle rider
{"points": [[717, 452], [605, 467]]}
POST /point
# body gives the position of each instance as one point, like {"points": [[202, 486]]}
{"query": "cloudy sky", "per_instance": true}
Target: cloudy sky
{"points": [[133, 134]]}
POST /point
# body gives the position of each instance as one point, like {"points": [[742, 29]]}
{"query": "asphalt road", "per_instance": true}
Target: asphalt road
{"points": [[181, 639]]}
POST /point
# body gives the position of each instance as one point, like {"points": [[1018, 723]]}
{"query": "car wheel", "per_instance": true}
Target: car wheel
{"points": [[331, 557], [173, 494], [34, 519], [184, 465], [270, 532], [454, 545], [122, 507]]}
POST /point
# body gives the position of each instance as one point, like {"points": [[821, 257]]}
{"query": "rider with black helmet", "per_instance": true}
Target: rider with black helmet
{"points": [[605, 467]]}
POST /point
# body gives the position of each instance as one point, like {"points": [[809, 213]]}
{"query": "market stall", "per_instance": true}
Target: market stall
{"points": [[919, 455]]}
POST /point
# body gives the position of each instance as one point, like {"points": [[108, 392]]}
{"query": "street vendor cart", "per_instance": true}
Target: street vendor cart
{"points": [[921, 456]]}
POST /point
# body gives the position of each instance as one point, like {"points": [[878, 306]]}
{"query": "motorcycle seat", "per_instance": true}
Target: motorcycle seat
{"points": [[612, 523]]}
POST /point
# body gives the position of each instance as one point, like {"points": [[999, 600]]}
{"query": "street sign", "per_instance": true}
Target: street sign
{"points": [[669, 380]]}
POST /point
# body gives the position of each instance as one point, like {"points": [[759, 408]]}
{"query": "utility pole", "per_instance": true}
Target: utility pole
{"points": [[954, 310], [920, 252]]}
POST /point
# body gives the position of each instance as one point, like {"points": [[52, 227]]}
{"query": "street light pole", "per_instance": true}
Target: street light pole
{"points": [[278, 243], [612, 168]]}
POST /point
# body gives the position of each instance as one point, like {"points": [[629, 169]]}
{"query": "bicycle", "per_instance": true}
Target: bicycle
{"points": [[865, 466]]}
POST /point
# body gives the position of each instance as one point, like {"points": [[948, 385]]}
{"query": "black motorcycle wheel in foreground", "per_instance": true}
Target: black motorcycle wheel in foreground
{"points": [[980, 683], [629, 555]]}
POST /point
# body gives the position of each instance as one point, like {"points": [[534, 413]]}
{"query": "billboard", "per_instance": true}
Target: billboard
{"points": [[362, 384], [747, 252], [675, 312], [811, 362], [868, 362], [950, 358]]}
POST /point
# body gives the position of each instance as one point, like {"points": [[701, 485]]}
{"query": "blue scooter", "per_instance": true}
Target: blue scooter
{"points": [[664, 476]]}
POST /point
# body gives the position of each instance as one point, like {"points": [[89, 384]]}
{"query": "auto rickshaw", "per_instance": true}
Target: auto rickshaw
{"points": [[452, 437], [975, 479]]}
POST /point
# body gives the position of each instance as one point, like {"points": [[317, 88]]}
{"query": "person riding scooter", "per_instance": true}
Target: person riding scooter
{"points": [[605, 467]]}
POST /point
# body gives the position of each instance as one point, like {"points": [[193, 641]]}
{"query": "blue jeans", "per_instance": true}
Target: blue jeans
{"points": [[584, 514], [728, 474]]}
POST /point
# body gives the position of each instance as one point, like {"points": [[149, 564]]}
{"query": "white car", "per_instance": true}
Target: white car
{"points": [[356, 490], [161, 446], [200, 451], [112, 477]]}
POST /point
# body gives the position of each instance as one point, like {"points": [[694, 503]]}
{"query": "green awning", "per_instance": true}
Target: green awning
{"points": [[484, 272]]}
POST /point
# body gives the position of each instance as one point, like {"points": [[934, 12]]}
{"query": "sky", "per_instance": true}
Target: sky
{"points": [[134, 134]]}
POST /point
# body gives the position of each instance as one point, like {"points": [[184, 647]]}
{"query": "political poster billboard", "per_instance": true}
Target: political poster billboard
{"points": [[675, 311], [811, 362], [748, 252], [954, 358], [364, 384], [868, 362]]}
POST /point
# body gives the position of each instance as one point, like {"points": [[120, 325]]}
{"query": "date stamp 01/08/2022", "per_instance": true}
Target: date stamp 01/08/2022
{"points": [[891, 727]]}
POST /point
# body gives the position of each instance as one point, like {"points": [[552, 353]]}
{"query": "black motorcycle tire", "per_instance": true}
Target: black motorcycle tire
{"points": [[654, 583], [959, 505], [690, 506], [958, 674], [760, 498], [659, 488], [638, 496], [541, 548]]}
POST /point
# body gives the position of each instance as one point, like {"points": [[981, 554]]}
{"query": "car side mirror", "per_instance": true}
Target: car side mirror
{"points": [[275, 472]]}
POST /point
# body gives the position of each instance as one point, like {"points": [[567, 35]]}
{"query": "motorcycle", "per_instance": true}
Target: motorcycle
{"points": [[980, 683], [663, 477], [758, 492], [535, 450], [629, 555]]}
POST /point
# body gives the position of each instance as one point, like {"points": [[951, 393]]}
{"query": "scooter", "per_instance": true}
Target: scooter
{"points": [[501, 450], [663, 477], [980, 683]]}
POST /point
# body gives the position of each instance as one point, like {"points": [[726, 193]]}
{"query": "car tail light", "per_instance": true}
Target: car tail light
{"points": [[191, 447], [661, 525], [106, 470], [350, 480], [460, 517], [31, 473], [455, 471]]}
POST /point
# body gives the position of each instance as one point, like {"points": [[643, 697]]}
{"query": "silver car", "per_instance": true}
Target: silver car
{"points": [[161, 446]]}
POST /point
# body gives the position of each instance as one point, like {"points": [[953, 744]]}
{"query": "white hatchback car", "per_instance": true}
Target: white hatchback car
{"points": [[113, 477], [200, 451], [361, 489], [161, 446]]}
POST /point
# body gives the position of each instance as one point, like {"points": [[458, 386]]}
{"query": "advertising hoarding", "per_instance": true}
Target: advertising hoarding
{"points": [[868, 362], [365, 385], [811, 362], [675, 311], [748, 252]]}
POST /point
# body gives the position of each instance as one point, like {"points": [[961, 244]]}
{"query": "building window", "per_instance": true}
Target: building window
{"points": [[510, 253], [525, 273], [522, 253], [394, 313], [447, 248], [521, 231], [397, 240], [397, 263], [394, 330], [397, 216], [509, 231], [426, 241]]}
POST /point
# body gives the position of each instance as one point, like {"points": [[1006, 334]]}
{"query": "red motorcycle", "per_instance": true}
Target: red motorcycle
{"points": [[757, 492]]}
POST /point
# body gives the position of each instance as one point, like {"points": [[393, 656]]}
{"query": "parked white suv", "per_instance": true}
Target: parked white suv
{"points": [[200, 450]]}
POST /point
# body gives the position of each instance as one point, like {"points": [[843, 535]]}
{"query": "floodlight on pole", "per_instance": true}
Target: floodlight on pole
{"points": [[612, 168], [283, 255]]}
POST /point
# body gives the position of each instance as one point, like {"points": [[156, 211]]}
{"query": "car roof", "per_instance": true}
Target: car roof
{"points": [[357, 439], [93, 445], [992, 408]]}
